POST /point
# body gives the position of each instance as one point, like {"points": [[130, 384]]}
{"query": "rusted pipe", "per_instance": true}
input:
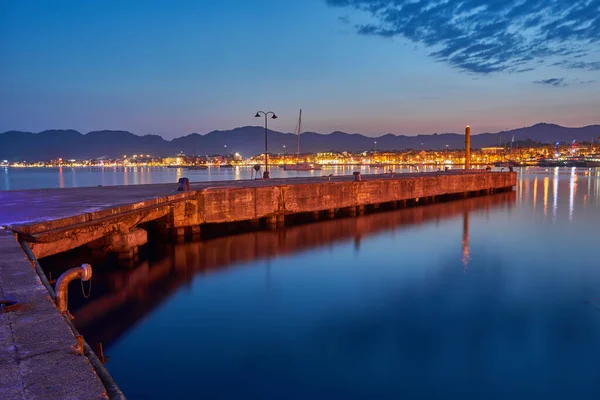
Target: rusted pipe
{"points": [[62, 284]]}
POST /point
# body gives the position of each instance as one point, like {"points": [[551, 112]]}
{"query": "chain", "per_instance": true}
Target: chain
{"points": [[89, 289]]}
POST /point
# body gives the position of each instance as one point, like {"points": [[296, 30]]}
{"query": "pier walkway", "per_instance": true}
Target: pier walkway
{"points": [[38, 350]]}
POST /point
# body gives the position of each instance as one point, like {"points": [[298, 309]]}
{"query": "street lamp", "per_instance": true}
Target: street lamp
{"points": [[273, 116]]}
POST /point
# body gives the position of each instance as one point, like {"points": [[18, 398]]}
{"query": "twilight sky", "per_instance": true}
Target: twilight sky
{"points": [[369, 66]]}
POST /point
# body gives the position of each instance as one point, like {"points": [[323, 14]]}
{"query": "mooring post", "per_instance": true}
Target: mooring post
{"points": [[184, 185]]}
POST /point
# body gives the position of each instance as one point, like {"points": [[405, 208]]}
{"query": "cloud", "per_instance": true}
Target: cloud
{"points": [[485, 36], [344, 19], [588, 66], [551, 82]]}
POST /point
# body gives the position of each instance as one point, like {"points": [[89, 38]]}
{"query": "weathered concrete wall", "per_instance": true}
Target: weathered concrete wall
{"points": [[231, 203], [67, 237], [228, 205]]}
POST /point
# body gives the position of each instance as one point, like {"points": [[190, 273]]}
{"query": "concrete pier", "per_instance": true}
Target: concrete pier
{"points": [[39, 356], [223, 202]]}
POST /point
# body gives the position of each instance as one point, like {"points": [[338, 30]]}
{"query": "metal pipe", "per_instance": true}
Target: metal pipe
{"points": [[62, 284]]}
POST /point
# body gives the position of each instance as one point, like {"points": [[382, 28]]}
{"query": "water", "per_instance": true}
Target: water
{"points": [[487, 298], [66, 177]]}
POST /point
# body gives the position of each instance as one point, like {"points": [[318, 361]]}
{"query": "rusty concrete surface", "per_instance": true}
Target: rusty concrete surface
{"points": [[37, 348]]}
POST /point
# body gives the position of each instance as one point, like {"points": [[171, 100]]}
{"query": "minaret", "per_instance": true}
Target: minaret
{"points": [[468, 147]]}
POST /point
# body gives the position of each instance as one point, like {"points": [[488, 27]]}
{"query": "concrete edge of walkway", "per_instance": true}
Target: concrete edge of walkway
{"points": [[39, 357]]}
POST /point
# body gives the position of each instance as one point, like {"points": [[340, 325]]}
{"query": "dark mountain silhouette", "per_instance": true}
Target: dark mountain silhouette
{"points": [[249, 141]]}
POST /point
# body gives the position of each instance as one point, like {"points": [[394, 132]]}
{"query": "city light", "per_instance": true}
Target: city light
{"points": [[571, 154]]}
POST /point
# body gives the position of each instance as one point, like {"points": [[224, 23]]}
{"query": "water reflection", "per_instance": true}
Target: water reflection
{"points": [[465, 241], [546, 185], [35, 178], [137, 292], [61, 178], [535, 190], [555, 195], [572, 192]]}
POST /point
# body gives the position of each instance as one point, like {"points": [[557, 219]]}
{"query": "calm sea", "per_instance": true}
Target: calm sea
{"points": [[66, 177], [494, 297]]}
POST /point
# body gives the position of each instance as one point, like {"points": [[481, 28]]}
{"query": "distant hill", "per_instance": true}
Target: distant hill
{"points": [[249, 141]]}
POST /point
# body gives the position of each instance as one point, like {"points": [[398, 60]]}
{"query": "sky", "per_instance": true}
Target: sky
{"points": [[369, 66]]}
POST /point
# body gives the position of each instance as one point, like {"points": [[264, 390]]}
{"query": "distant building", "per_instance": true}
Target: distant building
{"points": [[492, 149]]}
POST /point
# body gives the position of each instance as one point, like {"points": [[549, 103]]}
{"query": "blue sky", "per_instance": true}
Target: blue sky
{"points": [[369, 66]]}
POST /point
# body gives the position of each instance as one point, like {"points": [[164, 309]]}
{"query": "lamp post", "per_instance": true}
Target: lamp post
{"points": [[273, 116]]}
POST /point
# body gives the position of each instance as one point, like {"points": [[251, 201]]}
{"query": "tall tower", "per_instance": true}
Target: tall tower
{"points": [[468, 147]]}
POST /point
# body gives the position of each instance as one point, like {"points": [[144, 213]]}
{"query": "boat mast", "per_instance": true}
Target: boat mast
{"points": [[299, 132]]}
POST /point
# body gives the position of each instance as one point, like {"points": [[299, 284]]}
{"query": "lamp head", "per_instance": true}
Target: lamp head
{"points": [[274, 116], [257, 115]]}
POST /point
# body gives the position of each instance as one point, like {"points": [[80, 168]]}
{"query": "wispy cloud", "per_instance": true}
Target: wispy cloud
{"points": [[484, 36], [551, 82]]}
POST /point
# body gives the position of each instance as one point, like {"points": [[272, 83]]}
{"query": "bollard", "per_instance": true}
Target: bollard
{"points": [[356, 176], [184, 185]]}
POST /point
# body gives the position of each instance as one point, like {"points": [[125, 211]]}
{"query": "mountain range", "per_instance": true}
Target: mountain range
{"points": [[249, 141]]}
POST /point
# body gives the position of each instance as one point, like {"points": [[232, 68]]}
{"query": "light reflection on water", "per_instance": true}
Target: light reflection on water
{"points": [[480, 298], [65, 177]]}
